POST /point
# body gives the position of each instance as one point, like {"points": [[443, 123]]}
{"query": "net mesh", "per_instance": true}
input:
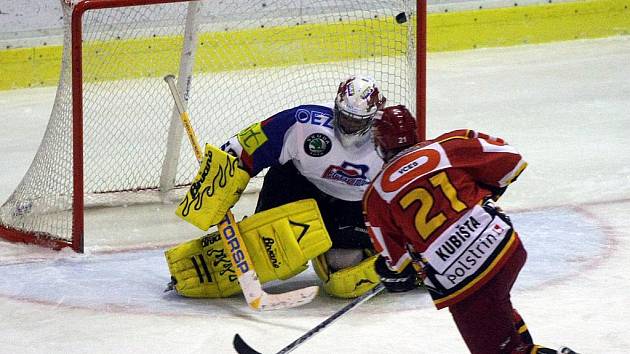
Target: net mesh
{"points": [[253, 58]]}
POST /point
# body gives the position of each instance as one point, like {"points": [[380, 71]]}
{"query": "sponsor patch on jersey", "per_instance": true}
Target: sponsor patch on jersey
{"points": [[468, 249], [314, 117], [413, 165], [252, 137], [348, 173], [317, 144]]}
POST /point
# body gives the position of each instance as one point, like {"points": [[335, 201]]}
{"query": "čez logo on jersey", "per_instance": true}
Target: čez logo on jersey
{"points": [[317, 145]]}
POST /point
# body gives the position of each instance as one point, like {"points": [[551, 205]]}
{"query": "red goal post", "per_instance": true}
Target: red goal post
{"points": [[114, 141]]}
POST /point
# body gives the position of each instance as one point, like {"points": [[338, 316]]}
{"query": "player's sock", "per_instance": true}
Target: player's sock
{"points": [[522, 329]]}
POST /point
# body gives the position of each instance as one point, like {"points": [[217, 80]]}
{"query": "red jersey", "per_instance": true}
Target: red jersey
{"points": [[426, 203]]}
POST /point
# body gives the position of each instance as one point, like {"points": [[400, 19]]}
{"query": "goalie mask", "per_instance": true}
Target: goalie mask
{"points": [[394, 129], [358, 99]]}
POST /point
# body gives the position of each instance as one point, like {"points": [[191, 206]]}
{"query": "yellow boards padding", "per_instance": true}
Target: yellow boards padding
{"points": [[528, 24]]}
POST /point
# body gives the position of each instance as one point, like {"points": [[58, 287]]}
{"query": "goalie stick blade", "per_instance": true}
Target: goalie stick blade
{"points": [[241, 347], [287, 300]]}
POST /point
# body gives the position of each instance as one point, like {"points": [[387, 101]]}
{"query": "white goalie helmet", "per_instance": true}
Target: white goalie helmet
{"points": [[358, 99]]}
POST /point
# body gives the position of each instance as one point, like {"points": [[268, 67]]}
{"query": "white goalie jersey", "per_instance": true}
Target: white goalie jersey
{"points": [[305, 135]]}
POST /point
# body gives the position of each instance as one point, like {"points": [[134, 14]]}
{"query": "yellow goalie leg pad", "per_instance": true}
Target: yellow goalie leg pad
{"points": [[280, 242], [348, 282], [202, 268], [216, 188]]}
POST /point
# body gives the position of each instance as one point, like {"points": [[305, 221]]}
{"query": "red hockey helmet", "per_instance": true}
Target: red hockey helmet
{"points": [[394, 129]]}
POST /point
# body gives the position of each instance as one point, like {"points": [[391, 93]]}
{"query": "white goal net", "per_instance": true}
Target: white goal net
{"points": [[113, 140]]}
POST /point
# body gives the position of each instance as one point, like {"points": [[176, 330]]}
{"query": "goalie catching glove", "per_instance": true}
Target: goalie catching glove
{"points": [[280, 242]]}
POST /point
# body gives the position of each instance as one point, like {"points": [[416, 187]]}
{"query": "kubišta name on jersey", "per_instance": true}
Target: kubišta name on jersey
{"points": [[464, 248]]}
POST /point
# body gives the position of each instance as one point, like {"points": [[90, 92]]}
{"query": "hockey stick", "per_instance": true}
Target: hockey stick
{"points": [[243, 348], [255, 296]]}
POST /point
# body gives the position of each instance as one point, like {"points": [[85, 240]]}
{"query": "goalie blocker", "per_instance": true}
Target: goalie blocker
{"points": [[216, 188], [280, 241]]}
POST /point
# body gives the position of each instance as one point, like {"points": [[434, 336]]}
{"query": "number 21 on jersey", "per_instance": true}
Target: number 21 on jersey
{"points": [[412, 166]]}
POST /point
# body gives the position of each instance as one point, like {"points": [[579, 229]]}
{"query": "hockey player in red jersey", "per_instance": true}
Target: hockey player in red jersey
{"points": [[431, 214]]}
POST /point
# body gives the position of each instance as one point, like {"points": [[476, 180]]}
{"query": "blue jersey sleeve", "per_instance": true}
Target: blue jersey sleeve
{"points": [[261, 144]]}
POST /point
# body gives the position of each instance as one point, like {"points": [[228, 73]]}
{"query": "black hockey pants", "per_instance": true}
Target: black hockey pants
{"points": [[343, 219]]}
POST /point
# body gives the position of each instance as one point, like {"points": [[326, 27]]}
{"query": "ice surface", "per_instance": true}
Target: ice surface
{"points": [[565, 106]]}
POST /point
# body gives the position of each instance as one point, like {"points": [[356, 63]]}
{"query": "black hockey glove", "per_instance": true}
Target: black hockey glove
{"points": [[497, 192], [492, 209], [396, 282]]}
